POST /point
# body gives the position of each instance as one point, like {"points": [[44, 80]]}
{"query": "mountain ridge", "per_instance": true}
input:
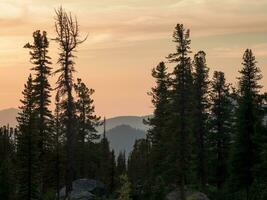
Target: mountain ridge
{"points": [[121, 131], [123, 137], [8, 117]]}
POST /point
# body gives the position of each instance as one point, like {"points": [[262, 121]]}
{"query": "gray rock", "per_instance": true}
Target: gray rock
{"points": [[175, 195], [85, 189], [198, 196]]}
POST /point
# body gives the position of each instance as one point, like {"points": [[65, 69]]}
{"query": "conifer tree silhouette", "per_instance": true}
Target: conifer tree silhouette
{"points": [[220, 130], [41, 61], [248, 120], [27, 147], [68, 39], [86, 119], [181, 125], [200, 116]]}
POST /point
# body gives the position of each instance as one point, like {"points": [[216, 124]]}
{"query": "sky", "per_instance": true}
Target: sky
{"points": [[126, 39]]}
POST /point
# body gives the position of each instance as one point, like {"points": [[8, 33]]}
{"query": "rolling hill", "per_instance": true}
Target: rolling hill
{"points": [[122, 138]]}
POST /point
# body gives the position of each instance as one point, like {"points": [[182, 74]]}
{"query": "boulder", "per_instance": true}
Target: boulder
{"points": [[175, 195], [85, 189], [197, 196]]}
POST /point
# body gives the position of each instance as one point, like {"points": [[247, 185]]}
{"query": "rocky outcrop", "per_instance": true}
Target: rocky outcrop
{"points": [[86, 189], [175, 195]]}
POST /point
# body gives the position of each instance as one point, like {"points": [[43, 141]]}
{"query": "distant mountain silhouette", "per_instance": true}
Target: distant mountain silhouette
{"points": [[122, 138], [8, 116], [122, 131], [133, 121]]}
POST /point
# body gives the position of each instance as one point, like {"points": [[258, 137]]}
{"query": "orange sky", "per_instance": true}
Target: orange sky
{"points": [[126, 39]]}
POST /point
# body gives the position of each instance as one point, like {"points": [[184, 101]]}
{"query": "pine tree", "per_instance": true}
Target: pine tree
{"points": [[158, 189], [57, 144], [7, 168], [121, 164], [121, 167], [105, 164], [139, 167], [245, 148], [112, 174], [87, 120], [27, 147], [181, 105], [157, 134], [201, 105], [41, 61], [67, 31], [221, 128], [125, 190], [260, 183]]}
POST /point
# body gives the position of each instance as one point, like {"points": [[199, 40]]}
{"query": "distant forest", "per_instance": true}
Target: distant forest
{"points": [[205, 134]]}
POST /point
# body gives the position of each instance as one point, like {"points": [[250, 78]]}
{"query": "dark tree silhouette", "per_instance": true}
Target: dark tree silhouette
{"points": [[245, 145], [158, 134], [41, 61], [139, 166], [87, 121], [27, 147], [201, 105], [121, 164], [181, 105], [220, 129], [7, 162], [105, 163], [57, 142], [67, 31], [112, 172]]}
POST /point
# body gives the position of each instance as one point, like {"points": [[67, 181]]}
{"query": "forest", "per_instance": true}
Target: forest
{"points": [[207, 138]]}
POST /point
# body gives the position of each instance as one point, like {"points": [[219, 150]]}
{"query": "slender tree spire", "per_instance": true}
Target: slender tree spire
{"points": [[248, 120], [87, 122], [41, 61], [27, 147], [104, 124], [220, 129], [201, 105], [67, 30], [181, 105], [158, 134]]}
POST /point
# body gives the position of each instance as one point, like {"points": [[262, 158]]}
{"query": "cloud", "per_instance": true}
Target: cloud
{"points": [[11, 9], [125, 21], [259, 50]]}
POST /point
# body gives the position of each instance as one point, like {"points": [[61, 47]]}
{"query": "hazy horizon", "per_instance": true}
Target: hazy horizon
{"points": [[126, 39]]}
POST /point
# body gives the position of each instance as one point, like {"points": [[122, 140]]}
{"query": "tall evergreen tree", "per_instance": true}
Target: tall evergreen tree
{"points": [[157, 134], [121, 167], [181, 105], [221, 128], [125, 191], [201, 105], [67, 31], [41, 61], [245, 146], [261, 172], [112, 172], [57, 144], [87, 120], [121, 164], [139, 168], [7, 164], [27, 147], [106, 161]]}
